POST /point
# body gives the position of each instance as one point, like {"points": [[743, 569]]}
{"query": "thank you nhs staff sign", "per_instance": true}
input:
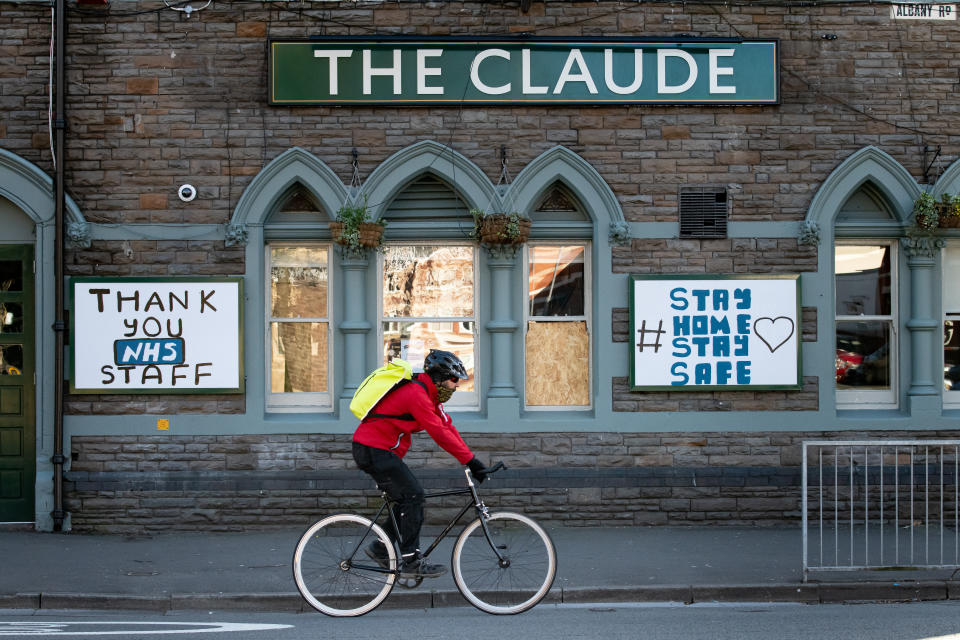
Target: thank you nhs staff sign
{"points": [[531, 70], [714, 332], [153, 335]]}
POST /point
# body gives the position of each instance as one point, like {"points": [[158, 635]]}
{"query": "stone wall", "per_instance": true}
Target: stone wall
{"points": [[135, 484], [157, 99]]}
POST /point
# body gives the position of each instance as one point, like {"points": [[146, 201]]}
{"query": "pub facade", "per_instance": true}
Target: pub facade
{"points": [[727, 251]]}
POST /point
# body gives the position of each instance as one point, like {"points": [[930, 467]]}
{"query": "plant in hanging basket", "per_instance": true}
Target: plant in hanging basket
{"points": [[925, 214], [948, 210], [354, 230], [500, 228]]}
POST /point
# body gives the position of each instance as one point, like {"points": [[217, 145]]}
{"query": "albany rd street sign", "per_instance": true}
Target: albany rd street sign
{"points": [[340, 71], [923, 11]]}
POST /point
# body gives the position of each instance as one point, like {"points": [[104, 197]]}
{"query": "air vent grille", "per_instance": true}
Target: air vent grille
{"points": [[703, 212]]}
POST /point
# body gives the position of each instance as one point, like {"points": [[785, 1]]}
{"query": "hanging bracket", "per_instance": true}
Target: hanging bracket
{"points": [[926, 169]]}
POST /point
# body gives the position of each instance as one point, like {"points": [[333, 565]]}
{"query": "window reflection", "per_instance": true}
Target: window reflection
{"points": [[428, 281], [863, 280], [11, 275], [299, 362], [11, 317], [11, 359], [951, 353], [411, 341], [863, 355], [299, 282], [555, 281]]}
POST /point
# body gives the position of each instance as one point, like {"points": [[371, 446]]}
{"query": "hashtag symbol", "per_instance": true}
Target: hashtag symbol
{"points": [[643, 331]]}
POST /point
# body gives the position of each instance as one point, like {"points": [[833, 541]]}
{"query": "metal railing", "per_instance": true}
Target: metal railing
{"points": [[872, 504]]}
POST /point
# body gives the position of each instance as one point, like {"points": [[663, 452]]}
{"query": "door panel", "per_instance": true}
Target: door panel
{"points": [[17, 369]]}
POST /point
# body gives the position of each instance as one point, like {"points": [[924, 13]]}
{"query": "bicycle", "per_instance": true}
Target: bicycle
{"points": [[503, 563]]}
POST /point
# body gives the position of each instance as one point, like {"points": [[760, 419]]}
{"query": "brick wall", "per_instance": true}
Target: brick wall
{"points": [[156, 100], [164, 97], [157, 483]]}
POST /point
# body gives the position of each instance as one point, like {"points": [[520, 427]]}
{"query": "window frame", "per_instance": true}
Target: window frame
{"points": [[951, 399], [587, 317], [462, 400], [301, 402], [872, 399]]}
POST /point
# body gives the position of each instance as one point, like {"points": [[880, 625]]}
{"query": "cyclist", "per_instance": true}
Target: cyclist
{"points": [[383, 438]]}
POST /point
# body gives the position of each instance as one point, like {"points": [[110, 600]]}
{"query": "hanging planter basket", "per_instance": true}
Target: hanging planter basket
{"points": [[366, 234], [353, 229], [370, 234], [502, 228]]}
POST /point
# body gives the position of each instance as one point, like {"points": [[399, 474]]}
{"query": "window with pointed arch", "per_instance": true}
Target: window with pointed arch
{"points": [[951, 326], [866, 322]]}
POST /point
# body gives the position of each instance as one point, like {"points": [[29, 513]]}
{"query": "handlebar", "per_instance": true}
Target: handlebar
{"points": [[492, 469], [495, 468]]}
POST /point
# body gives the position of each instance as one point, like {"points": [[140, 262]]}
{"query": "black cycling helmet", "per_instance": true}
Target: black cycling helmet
{"points": [[443, 365]]}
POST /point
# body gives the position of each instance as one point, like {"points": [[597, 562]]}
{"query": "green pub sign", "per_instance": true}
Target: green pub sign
{"points": [[426, 71]]}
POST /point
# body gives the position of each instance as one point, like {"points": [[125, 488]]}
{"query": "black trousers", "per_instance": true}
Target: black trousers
{"points": [[394, 477]]}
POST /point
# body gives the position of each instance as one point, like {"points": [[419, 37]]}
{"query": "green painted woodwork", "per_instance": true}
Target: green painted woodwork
{"points": [[17, 425]]}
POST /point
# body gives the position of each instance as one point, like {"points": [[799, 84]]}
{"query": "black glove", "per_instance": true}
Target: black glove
{"points": [[477, 468]]}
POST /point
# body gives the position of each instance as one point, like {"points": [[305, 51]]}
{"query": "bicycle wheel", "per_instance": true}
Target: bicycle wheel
{"points": [[332, 570], [517, 583]]}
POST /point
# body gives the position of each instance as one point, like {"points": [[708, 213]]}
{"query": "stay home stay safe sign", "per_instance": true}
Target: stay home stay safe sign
{"points": [[714, 332]]}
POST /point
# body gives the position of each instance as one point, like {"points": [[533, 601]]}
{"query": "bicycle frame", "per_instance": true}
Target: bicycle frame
{"points": [[476, 502]]}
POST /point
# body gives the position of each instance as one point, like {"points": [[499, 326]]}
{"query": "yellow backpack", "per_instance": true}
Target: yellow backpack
{"points": [[382, 381]]}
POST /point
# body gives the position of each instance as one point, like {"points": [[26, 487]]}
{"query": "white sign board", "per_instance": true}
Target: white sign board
{"points": [[156, 335], [714, 332], [923, 11]]}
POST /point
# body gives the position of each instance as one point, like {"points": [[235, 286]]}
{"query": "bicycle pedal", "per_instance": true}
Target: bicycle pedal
{"points": [[410, 583]]}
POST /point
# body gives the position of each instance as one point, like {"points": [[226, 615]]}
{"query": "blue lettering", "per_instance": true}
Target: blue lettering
{"points": [[681, 325], [743, 298], [743, 323], [679, 302], [701, 296], [700, 325], [743, 346], [701, 344], [681, 348], [721, 300], [721, 346], [719, 325], [678, 369], [724, 369], [702, 374], [743, 372]]}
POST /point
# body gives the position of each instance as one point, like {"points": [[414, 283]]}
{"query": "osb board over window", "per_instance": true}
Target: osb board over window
{"points": [[558, 364]]}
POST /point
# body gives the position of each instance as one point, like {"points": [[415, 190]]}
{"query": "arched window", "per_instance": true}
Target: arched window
{"points": [[866, 288], [557, 310], [299, 331]]}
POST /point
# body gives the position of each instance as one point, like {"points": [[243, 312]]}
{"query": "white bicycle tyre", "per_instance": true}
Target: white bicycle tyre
{"points": [[539, 592], [300, 579]]}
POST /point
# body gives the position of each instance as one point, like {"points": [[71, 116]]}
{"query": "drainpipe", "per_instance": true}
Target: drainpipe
{"points": [[58, 326]]}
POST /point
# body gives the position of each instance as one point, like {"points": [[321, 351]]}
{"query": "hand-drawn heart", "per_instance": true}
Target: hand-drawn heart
{"points": [[774, 331]]}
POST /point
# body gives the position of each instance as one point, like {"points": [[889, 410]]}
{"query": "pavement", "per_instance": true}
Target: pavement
{"points": [[252, 570]]}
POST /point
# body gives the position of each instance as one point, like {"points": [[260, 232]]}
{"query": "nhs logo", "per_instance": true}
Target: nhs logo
{"points": [[149, 351]]}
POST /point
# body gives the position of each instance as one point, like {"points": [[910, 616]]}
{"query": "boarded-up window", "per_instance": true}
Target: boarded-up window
{"points": [[557, 344]]}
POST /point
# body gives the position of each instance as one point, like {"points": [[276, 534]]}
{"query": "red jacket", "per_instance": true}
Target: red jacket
{"points": [[394, 435]]}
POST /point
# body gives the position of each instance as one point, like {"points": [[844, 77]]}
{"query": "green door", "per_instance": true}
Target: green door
{"points": [[17, 371]]}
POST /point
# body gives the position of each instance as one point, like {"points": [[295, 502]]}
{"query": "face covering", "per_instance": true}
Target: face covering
{"points": [[443, 394]]}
